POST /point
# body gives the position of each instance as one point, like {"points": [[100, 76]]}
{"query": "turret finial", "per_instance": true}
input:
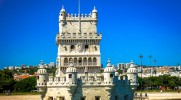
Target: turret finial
{"points": [[62, 6], [94, 7], [132, 62], [94, 10], [62, 10], [108, 63], [42, 62]]}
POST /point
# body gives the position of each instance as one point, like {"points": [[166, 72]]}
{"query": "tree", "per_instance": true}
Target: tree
{"points": [[156, 82], [120, 71], [6, 80], [26, 85]]}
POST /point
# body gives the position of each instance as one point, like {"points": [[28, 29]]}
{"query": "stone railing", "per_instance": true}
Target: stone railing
{"points": [[79, 36]]}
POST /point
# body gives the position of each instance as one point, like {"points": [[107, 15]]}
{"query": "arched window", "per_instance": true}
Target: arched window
{"points": [[72, 47], [94, 61], [86, 47], [65, 62], [95, 48], [89, 61], [85, 61], [80, 61], [75, 61], [70, 60]]}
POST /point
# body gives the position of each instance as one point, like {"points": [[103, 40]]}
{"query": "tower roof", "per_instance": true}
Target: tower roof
{"points": [[41, 65], [132, 64], [108, 63], [132, 68], [94, 10], [109, 68], [62, 10]]}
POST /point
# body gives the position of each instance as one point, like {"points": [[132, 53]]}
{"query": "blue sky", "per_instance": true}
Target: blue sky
{"points": [[129, 28]]}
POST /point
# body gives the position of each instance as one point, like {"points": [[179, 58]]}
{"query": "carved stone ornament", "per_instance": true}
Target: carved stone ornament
{"points": [[80, 47]]}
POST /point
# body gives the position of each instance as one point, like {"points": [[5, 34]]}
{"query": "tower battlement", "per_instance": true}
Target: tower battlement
{"points": [[70, 23], [73, 36], [76, 16], [79, 41]]}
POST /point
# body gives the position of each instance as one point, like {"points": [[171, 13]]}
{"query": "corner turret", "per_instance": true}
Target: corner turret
{"points": [[42, 76], [132, 74], [109, 73], [62, 17], [94, 13], [71, 74]]}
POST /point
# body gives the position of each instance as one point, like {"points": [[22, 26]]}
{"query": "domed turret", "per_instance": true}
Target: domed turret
{"points": [[132, 74], [109, 73], [42, 76], [62, 16], [94, 13], [71, 74], [109, 68]]}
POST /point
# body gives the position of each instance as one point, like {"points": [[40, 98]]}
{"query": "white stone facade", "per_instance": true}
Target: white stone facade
{"points": [[78, 75], [78, 41]]}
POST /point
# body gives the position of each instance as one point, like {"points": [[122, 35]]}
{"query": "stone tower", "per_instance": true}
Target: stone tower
{"points": [[79, 42], [42, 77], [132, 74]]}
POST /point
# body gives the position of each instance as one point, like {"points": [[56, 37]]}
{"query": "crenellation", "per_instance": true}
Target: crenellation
{"points": [[78, 36], [73, 16], [92, 79]]}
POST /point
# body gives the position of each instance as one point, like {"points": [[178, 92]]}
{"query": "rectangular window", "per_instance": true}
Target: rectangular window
{"points": [[70, 75], [86, 47], [116, 97], [126, 97], [50, 98], [61, 98], [97, 98], [82, 98], [111, 75]]}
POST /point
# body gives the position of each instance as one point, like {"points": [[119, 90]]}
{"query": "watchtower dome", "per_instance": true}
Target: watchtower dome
{"points": [[42, 76], [132, 74], [109, 73], [71, 74]]}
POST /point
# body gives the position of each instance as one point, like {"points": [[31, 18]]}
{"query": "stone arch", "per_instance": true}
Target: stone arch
{"points": [[75, 61], [89, 61], [80, 61], [84, 61], [94, 61], [95, 48], [65, 61], [70, 59], [72, 48]]}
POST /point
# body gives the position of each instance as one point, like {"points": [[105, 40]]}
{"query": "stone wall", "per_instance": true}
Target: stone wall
{"points": [[21, 97], [164, 96], [160, 96]]}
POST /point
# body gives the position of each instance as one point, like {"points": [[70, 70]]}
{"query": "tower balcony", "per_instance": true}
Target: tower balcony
{"points": [[69, 36]]}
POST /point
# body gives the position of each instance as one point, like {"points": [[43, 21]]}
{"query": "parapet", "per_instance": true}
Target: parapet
{"points": [[78, 36], [92, 79], [82, 16]]}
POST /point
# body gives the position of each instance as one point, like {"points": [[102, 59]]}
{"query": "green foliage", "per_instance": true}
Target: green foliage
{"points": [[51, 70], [120, 71], [6, 80], [32, 70], [26, 85], [156, 82]]}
